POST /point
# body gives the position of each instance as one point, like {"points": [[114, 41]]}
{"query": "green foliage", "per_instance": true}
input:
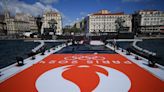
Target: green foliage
{"points": [[73, 30], [119, 24]]}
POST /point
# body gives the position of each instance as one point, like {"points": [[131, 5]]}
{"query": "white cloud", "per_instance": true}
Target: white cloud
{"points": [[35, 9], [1, 7], [48, 1], [77, 19], [38, 8], [83, 13], [66, 20]]}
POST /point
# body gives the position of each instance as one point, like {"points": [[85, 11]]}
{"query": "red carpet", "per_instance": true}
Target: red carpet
{"points": [[85, 72]]}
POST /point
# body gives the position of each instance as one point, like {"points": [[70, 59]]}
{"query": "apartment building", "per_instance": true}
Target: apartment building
{"points": [[105, 21], [52, 15], [148, 21]]}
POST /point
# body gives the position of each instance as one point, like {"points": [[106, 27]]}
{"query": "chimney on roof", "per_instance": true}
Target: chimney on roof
{"points": [[104, 11]]}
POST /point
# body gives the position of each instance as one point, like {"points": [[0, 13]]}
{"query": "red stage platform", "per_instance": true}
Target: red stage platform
{"points": [[83, 73]]}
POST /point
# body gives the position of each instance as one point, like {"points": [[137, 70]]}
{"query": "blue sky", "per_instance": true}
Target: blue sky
{"points": [[73, 10]]}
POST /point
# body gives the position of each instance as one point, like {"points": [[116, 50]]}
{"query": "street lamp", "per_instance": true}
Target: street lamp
{"points": [[39, 25]]}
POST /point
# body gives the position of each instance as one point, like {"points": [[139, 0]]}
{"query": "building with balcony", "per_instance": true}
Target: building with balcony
{"points": [[3, 29], [148, 21], [27, 18], [52, 15], [105, 21], [16, 25], [32, 24]]}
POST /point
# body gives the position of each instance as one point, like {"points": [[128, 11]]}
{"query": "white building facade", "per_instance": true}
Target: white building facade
{"points": [[148, 21], [20, 23], [27, 18], [48, 16], [17, 27], [104, 21], [2, 25], [32, 24]]}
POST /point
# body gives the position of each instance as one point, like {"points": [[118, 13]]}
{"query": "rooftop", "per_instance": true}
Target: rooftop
{"points": [[106, 12], [54, 13]]}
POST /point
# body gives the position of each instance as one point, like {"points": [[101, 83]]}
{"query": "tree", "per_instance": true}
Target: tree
{"points": [[39, 24], [119, 25], [74, 30]]}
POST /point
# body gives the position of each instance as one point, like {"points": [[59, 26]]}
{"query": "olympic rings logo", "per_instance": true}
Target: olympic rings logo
{"points": [[84, 58]]}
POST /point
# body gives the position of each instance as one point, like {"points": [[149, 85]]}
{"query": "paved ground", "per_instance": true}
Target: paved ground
{"points": [[85, 49]]}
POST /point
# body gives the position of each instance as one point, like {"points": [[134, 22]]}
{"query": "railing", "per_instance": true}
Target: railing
{"points": [[142, 50], [39, 46]]}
